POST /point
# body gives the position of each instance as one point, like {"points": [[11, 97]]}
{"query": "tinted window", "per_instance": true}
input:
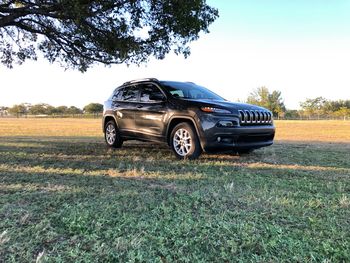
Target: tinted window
{"points": [[148, 91], [187, 90], [117, 94], [130, 94]]}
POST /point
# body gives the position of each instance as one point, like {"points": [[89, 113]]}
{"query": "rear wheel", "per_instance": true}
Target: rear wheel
{"points": [[112, 135], [184, 142]]}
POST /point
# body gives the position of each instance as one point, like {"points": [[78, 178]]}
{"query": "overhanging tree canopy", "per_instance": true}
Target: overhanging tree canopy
{"points": [[78, 33]]}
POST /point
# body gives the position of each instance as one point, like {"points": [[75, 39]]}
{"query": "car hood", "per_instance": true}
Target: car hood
{"points": [[232, 106]]}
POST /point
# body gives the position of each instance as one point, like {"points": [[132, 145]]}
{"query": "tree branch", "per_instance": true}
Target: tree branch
{"points": [[81, 32]]}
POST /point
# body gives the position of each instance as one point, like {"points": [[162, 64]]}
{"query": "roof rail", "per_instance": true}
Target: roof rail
{"points": [[139, 80]]}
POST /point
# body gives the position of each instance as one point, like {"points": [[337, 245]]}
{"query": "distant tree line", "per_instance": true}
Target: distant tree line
{"points": [[48, 110], [315, 108], [322, 108]]}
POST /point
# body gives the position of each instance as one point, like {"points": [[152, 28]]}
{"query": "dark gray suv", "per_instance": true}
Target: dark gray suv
{"points": [[186, 116]]}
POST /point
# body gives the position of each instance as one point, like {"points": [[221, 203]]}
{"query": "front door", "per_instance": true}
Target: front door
{"points": [[151, 110]]}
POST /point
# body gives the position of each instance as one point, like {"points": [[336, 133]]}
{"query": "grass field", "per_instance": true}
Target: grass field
{"points": [[65, 197]]}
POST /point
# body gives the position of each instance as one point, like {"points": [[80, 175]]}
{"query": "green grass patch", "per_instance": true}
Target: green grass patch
{"points": [[70, 199]]}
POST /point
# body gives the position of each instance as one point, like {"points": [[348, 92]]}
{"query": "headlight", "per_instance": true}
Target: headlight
{"points": [[215, 110]]}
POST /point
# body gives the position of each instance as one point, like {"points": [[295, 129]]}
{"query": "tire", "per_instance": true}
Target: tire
{"points": [[112, 135], [184, 142]]}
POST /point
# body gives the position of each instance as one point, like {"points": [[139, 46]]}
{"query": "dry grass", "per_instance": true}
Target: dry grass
{"points": [[302, 131], [50, 127], [313, 131]]}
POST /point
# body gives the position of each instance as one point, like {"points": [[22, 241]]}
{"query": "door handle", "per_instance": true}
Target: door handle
{"points": [[139, 106]]}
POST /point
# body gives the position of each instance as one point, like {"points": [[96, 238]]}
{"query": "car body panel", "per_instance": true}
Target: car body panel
{"points": [[150, 120], [124, 113]]}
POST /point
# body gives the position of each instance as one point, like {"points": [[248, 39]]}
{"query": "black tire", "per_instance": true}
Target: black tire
{"points": [[112, 135], [184, 142]]}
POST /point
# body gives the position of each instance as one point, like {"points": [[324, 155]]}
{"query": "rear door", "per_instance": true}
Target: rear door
{"points": [[151, 110], [124, 106]]}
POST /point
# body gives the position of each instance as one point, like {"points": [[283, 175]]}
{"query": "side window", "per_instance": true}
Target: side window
{"points": [[130, 93], [150, 93], [117, 94], [177, 93]]}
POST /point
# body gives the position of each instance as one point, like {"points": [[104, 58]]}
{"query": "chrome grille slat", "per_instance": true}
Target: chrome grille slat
{"points": [[247, 116], [257, 114], [254, 117], [241, 116]]}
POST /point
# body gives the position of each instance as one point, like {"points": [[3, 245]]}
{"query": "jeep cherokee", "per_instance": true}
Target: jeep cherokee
{"points": [[188, 117]]}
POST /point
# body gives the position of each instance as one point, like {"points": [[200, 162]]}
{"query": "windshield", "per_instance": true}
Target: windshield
{"points": [[188, 90]]}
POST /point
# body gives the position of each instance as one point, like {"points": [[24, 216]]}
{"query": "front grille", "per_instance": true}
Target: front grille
{"points": [[254, 117]]}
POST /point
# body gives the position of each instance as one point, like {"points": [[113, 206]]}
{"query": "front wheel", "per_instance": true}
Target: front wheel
{"points": [[184, 142], [112, 135]]}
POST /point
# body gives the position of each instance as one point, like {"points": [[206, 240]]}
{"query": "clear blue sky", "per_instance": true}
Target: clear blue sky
{"points": [[300, 47], [287, 19]]}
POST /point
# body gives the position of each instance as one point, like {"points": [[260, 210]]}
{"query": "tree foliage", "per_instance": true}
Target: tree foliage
{"points": [[78, 33], [73, 110], [18, 109], [321, 107], [272, 101], [41, 109], [314, 106], [61, 110], [93, 108], [342, 112]]}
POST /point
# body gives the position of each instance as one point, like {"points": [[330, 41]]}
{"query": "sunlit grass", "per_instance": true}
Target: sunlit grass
{"points": [[66, 197]]}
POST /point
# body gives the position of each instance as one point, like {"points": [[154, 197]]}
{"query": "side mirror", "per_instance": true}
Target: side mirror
{"points": [[157, 97]]}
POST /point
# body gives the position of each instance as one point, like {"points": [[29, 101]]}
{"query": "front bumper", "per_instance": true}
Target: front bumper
{"points": [[238, 137]]}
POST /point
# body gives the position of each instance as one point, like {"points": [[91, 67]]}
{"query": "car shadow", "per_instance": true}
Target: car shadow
{"points": [[86, 156]]}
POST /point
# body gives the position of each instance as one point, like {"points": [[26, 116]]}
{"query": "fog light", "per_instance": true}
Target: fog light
{"points": [[227, 124], [219, 139], [227, 140]]}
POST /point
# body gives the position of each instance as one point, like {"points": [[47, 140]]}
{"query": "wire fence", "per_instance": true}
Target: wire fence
{"points": [[53, 116], [313, 118]]}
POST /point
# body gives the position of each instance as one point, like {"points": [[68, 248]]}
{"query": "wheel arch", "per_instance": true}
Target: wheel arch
{"points": [[175, 120], [106, 119]]}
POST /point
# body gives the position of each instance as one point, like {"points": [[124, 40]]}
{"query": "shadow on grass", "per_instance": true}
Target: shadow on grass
{"points": [[85, 152], [62, 159]]}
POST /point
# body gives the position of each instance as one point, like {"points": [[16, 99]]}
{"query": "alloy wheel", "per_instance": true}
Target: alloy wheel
{"points": [[111, 134], [182, 142]]}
